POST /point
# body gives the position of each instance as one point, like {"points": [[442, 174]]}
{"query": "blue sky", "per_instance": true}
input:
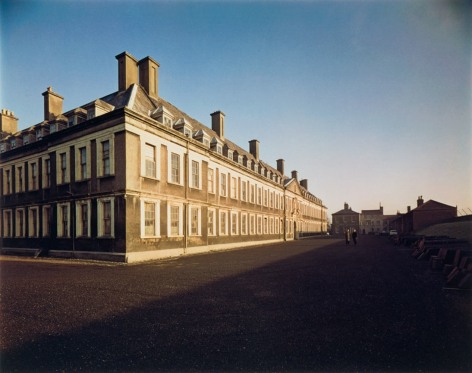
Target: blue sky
{"points": [[368, 100]]}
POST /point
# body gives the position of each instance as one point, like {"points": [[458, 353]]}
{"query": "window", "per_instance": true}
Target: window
{"points": [[47, 173], [106, 170], [34, 176], [266, 225], [259, 196], [265, 197], [46, 221], [252, 227], [149, 219], [195, 221], [175, 168], [253, 194], [244, 191], [106, 217], [223, 185], [20, 179], [7, 182], [63, 220], [244, 224], [223, 223], [259, 225], [150, 160], [7, 223], [234, 223], [271, 225], [20, 223], [33, 220], [175, 219], [211, 180], [234, 188], [82, 163], [63, 168], [83, 218], [195, 174], [211, 222]]}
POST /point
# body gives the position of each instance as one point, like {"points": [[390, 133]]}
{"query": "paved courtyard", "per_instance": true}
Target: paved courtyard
{"points": [[309, 305]]}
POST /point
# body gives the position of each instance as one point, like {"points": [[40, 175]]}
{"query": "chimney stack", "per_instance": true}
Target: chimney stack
{"points": [[295, 175], [127, 71], [408, 209], [52, 104], [8, 121], [254, 148], [346, 206], [149, 76], [280, 166], [218, 123], [420, 201], [304, 183]]}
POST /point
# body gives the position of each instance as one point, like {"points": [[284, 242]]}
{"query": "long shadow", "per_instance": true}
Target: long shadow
{"points": [[324, 307]]}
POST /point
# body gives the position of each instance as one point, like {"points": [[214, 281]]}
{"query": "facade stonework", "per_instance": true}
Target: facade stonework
{"points": [[130, 177]]}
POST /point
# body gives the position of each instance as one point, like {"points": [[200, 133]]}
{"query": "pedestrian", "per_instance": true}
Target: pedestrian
{"points": [[347, 235], [354, 237]]}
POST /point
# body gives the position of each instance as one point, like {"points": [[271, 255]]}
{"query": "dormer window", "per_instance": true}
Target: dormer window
{"points": [[203, 137], [71, 121], [183, 126], [97, 108], [161, 114], [216, 145], [230, 154]]}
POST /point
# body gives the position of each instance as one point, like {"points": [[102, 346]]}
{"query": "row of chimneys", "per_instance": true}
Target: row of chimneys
{"points": [[419, 202]]}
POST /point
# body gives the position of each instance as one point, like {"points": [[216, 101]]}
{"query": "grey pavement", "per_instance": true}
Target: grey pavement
{"points": [[309, 305]]}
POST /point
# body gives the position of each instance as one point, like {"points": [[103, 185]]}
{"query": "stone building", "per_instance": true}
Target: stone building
{"points": [[345, 219], [374, 221], [130, 177]]}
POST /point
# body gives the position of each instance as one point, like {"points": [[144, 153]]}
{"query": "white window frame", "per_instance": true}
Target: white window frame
{"points": [[100, 218], [169, 219], [153, 169], [244, 224], [223, 218], [179, 170], [195, 209], [20, 181], [111, 155], [32, 223], [157, 218], [46, 175], [46, 225], [234, 187], [59, 167], [195, 177], [234, 223], [60, 220], [33, 165], [211, 180], [211, 222], [244, 190], [78, 165], [78, 218], [7, 182], [223, 184], [7, 219], [259, 228]]}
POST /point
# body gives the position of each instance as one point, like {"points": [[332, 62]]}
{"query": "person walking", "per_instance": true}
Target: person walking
{"points": [[347, 236], [354, 237]]}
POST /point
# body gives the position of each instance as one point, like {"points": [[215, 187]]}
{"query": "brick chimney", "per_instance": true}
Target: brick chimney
{"points": [[420, 201], [149, 76], [346, 206], [280, 166], [52, 104], [127, 70], [295, 175], [304, 183], [8, 121], [254, 148], [218, 123]]}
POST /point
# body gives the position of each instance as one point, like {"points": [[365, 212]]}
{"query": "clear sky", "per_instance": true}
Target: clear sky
{"points": [[368, 100]]}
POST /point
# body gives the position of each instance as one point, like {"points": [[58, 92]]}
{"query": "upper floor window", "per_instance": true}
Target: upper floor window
{"points": [[33, 176], [83, 163], [20, 179], [83, 218], [7, 182], [175, 168], [62, 176], [150, 160], [195, 174], [211, 180], [223, 185], [106, 158], [47, 173], [234, 187], [244, 191]]}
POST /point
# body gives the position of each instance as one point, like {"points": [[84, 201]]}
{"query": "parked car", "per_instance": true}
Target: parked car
{"points": [[393, 232]]}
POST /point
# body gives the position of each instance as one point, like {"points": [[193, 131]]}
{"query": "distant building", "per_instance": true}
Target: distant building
{"points": [[424, 215], [131, 177], [374, 221], [345, 219]]}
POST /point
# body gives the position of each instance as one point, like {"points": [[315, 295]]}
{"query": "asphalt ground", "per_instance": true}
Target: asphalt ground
{"points": [[308, 305]]}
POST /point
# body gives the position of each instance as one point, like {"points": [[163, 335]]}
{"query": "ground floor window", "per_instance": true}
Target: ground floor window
{"points": [[105, 218]]}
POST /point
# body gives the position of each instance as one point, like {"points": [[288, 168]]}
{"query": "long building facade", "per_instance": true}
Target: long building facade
{"points": [[130, 177]]}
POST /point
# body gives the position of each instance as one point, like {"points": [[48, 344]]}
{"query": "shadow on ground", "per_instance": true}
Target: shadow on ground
{"points": [[324, 308]]}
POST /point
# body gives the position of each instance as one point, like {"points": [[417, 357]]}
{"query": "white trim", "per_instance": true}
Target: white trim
{"points": [[157, 220]]}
